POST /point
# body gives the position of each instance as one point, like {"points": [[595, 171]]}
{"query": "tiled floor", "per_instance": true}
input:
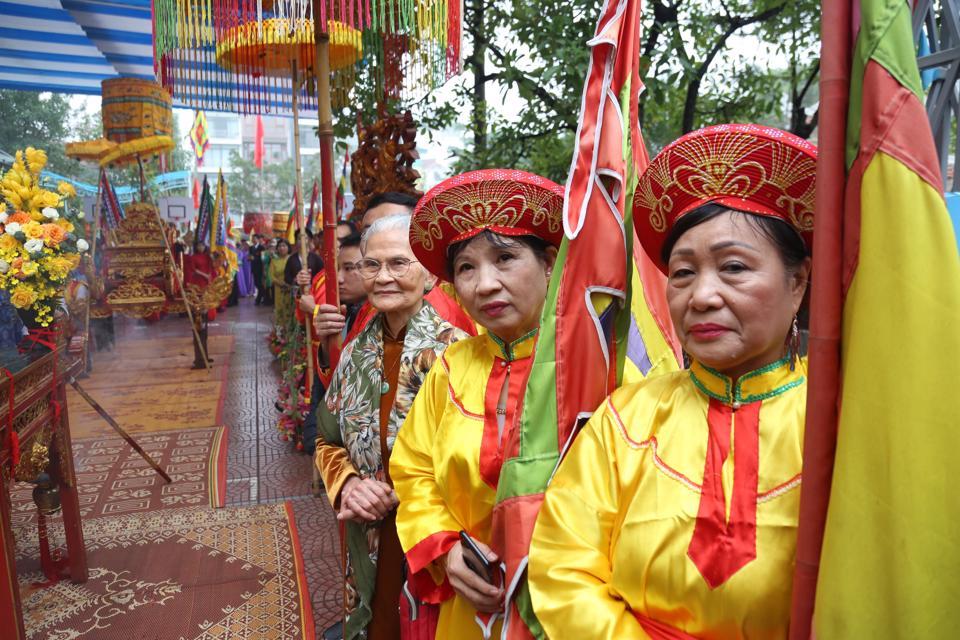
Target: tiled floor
{"points": [[260, 467]]}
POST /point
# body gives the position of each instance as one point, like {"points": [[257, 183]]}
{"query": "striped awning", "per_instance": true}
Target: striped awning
{"points": [[70, 46]]}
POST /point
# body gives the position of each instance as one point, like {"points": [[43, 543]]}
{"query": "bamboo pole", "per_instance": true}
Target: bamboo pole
{"points": [[327, 195], [327, 207], [304, 251]]}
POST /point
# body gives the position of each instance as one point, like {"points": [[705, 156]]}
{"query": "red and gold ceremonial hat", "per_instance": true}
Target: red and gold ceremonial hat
{"points": [[505, 201], [746, 167]]}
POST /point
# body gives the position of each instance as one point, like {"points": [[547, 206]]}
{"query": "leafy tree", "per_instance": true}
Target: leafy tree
{"points": [[250, 189], [39, 120], [47, 121], [703, 61]]}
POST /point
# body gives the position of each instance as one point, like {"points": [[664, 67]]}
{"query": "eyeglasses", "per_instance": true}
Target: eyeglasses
{"points": [[396, 267]]}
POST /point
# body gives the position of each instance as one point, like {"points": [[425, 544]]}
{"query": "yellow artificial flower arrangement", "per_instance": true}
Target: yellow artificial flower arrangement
{"points": [[38, 247]]}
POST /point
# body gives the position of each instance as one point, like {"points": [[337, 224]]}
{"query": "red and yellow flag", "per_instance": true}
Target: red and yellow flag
{"points": [[605, 317], [293, 222], [882, 419]]}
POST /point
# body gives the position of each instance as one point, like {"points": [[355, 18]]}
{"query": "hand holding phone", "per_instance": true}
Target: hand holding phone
{"points": [[474, 576], [477, 561]]}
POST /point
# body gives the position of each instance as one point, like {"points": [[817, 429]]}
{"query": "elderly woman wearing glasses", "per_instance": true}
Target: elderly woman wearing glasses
{"points": [[379, 374]]}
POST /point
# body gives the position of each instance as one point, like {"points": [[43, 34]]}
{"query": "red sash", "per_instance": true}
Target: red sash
{"points": [[660, 631]]}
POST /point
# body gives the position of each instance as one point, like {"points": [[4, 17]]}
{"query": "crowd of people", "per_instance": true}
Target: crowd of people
{"points": [[673, 513]]}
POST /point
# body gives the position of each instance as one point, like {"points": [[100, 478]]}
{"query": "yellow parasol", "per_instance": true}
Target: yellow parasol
{"points": [[132, 150], [92, 150], [271, 47]]}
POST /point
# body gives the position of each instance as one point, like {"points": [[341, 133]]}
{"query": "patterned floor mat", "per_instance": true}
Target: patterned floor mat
{"points": [[190, 573]]}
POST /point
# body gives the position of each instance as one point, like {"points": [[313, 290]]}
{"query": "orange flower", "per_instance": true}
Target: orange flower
{"points": [[53, 234], [20, 217]]}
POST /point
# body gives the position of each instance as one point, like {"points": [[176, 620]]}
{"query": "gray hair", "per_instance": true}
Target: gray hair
{"points": [[397, 222]]}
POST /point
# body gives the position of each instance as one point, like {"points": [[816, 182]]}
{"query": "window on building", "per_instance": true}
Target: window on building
{"points": [[275, 151], [218, 155], [224, 126], [308, 138]]}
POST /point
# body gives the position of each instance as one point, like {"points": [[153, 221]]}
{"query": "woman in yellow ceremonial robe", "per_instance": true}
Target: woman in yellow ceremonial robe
{"points": [[674, 514], [494, 235], [282, 299]]}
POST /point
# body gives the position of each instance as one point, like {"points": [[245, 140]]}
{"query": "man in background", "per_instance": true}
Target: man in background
{"points": [[257, 248]]}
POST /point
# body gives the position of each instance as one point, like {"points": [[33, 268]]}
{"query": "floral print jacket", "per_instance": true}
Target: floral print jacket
{"points": [[350, 418]]}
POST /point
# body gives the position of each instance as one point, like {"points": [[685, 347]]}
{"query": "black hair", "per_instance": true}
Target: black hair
{"points": [[393, 197], [352, 240], [349, 223], [281, 241], [536, 244], [785, 238]]}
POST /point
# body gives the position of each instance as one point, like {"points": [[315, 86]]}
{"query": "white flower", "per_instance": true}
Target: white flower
{"points": [[33, 245], [80, 214], [50, 213], [12, 228], [82, 245], [3, 217], [4, 266]]}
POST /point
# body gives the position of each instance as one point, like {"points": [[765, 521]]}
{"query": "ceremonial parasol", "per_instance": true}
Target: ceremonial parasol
{"points": [[133, 150], [258, 54], [90, 150]]}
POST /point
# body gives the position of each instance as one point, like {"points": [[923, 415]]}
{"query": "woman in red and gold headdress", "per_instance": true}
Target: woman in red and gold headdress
{"points": [[674, 515], [494, 234]]}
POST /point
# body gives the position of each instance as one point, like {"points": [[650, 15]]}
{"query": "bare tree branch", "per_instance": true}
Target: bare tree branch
{"points": [[733, 25]]}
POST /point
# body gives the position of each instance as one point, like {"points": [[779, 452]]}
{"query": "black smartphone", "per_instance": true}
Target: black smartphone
{"points": [[477, 561]]}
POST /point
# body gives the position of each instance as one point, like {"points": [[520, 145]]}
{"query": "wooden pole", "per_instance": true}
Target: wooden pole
{"points": [[304, 251], [183, 291], [826, 313], [327, 191], [116, 427], [327, 197], [143, 178]]}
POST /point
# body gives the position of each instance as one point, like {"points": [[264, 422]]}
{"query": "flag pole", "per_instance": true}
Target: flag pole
{"points": [[327, 208], [304, 253], [327, 195], [826, 309], [183, 290]]}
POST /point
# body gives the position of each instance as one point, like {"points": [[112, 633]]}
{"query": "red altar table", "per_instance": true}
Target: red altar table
{"points": [[44, 436]]}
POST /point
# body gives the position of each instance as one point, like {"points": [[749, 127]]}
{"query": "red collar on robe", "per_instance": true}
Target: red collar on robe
{"points": [[721, 546]]}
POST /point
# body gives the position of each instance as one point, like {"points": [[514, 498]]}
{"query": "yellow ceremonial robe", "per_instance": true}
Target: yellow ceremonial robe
{"points": [[675, 511], [446, 463]]}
